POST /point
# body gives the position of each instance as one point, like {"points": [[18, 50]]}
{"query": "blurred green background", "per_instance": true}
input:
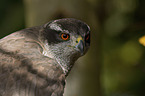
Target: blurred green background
{"points": [[115, 63]]}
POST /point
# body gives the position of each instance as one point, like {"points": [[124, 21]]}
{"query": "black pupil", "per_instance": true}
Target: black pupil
{"points": [[65, 35]]}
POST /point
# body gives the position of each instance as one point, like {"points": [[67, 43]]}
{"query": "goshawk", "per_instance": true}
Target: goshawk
{"points": [[35, 61]]}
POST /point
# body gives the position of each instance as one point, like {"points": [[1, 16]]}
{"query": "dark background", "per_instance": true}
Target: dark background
{"points": [[115, 63]]}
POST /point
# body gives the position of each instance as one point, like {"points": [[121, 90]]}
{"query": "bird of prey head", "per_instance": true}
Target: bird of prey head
{"points": [[66, 40]]}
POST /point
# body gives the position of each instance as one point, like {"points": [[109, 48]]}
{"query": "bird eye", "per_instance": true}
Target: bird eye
{"points": [[87, 37], [65, 36]]}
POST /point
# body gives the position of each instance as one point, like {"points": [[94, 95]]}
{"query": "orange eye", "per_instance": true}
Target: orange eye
{"points": [[87, 37], [65, 36]]}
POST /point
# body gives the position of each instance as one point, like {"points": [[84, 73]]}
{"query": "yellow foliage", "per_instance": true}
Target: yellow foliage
{"points": [[142, 40]]}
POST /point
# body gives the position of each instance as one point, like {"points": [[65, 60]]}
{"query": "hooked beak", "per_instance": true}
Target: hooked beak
{"points": [[80, 45]]}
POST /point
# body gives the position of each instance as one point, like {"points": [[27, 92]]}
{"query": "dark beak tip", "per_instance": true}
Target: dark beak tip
{"points": [[80, 46]]}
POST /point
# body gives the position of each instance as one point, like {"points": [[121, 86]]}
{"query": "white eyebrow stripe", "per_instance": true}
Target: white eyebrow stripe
{"points": [[55, 26]]}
